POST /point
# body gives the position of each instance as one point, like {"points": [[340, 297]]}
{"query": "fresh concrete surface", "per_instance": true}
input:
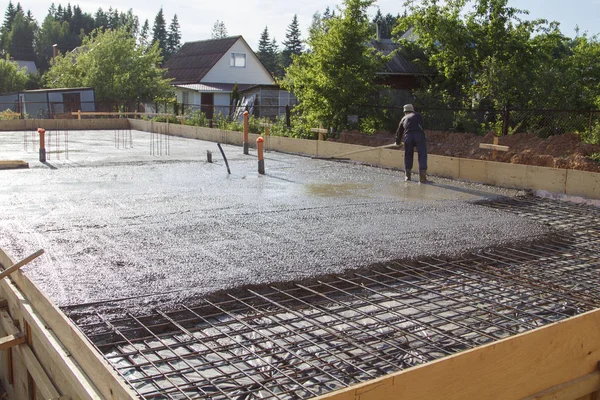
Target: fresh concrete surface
{"points": [[121, 222]]}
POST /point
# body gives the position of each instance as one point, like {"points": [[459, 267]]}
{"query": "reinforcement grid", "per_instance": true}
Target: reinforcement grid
{"points": [[301, 341]]}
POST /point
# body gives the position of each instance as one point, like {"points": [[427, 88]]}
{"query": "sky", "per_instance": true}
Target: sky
{"points": [[249, 17]]}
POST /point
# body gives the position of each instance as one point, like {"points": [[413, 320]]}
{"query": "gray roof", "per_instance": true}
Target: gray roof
{"points": [[213, 87], [30, 65], [398, 65]]}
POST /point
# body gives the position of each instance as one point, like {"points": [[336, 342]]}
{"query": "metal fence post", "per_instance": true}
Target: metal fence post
{"points": [[505, 120]]}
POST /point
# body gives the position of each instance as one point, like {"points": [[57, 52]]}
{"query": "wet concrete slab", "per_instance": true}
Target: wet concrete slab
{"points": [[134, 214]]}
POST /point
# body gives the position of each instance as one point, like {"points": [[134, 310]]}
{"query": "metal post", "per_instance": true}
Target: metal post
{"points": [[42, 133], [505, 120], [246, 132], [259, 151]]}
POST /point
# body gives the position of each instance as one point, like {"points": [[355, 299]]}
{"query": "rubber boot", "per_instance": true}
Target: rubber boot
{"points": [[423, 176], [407, 176]]}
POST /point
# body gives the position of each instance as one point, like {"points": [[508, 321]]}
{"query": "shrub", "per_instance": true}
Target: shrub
{"points": [[8, 114], [591, 136], [195, 118]]}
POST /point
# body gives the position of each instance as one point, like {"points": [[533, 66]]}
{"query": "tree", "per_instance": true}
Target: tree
{"points": [[101, 19], [292, 46], [173, 37], [159, 32], [487, 53], [219, 30], [9, 16], [339, 71], [384, 25], [114, 65], [12, 78], [143, 39], [267, 51], [20, 38]]}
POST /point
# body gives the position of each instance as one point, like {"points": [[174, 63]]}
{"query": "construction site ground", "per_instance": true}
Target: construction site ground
{"points": [[363, 273], [117, 221]]}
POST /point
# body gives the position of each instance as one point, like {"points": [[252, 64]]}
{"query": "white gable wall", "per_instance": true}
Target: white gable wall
{"points": [[254, 73]]}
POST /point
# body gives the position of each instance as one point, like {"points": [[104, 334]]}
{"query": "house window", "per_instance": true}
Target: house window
{"points": [[238, 60], [185, 97]]}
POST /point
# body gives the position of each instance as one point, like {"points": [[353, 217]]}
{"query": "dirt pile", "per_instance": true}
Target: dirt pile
{"points": [[558, 151]]}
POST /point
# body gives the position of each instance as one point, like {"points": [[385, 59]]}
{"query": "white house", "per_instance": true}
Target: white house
{"points": [[204, 73]]}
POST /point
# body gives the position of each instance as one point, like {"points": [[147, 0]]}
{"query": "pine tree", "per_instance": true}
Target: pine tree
{"points": [[68, 13], [159, 32], [267, 51], [20, 38], [9, 16], [52, 11], [219, 30], [143, 37], [101, 19], [174, 36], [292, 44]]}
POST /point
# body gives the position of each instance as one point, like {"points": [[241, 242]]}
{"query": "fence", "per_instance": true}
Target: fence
{"points": [[508, 121]]}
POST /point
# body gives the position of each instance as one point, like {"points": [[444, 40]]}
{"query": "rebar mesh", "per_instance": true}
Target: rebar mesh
{"points": [[304, 340]]}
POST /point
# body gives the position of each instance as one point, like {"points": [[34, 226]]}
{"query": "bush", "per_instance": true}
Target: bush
{"points": [[172, 119], [8, 114], [591, 136], [195, 118]]}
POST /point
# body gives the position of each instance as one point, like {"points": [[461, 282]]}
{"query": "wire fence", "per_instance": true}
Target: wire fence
{"points": [[364, 118]]}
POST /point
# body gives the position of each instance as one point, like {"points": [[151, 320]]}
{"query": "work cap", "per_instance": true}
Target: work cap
{"points": [[408, 108]]}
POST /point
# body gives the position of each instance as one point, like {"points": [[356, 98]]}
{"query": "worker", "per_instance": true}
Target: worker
{"points": [[411, 131]]}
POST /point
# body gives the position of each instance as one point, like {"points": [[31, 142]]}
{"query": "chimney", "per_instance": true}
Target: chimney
{"points": [[377, 31], [54, 50]]}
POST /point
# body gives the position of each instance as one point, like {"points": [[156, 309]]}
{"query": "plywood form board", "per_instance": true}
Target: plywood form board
{"points": [[583, 183], [60, 343], [473, 170], [329, 149], [506, 175], [392, 158], [512, 368], [447, 167], [545, 178], [56, 363], [295, 146]]}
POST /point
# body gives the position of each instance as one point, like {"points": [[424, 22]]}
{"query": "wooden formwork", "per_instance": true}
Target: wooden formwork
{"points": [[43, 356]]}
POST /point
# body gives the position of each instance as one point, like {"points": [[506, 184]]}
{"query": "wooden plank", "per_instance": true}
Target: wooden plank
{"points": [[51, 325], [575, 389], [11, 341], [21, 263], [497, 147], [511, 368], [33, 366]]}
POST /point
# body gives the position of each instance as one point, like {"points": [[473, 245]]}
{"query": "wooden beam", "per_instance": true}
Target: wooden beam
{"points": [[21, 263], [11, 340], [89, 375], [511, 368], [33, 366], [497, 147], [574, 389]]}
